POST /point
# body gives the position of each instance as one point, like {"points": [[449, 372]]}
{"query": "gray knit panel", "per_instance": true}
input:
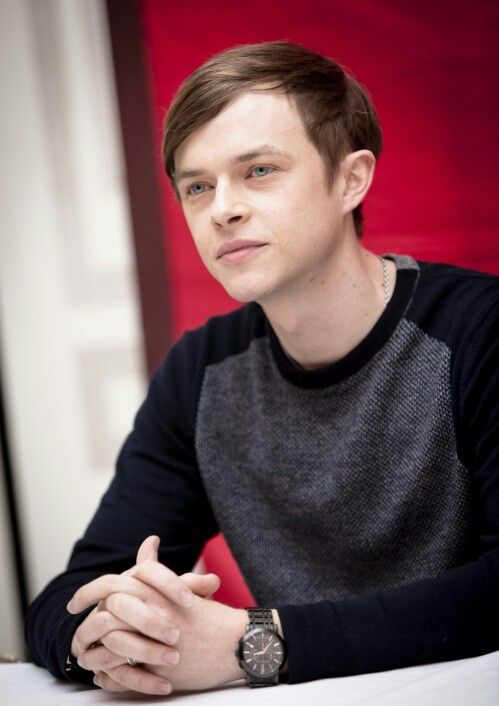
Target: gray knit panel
{"points": [[335, 492]]}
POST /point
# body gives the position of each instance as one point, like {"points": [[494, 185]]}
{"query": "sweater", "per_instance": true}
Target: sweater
{"points": [[361, 499]]}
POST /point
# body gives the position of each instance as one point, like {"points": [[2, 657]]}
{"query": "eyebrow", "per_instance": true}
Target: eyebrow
{"points": [[257, 151]]}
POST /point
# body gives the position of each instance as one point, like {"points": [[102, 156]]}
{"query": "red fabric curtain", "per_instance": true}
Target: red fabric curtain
{"points": [[431, 69]]}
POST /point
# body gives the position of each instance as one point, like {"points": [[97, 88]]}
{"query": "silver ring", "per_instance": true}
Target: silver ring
{"points": [[132, 662]]}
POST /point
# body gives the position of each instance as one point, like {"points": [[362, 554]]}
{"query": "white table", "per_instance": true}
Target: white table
{"points": [[466, 682]]}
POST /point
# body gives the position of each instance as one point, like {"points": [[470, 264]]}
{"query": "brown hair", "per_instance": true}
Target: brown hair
{"points": [[336, 110]]}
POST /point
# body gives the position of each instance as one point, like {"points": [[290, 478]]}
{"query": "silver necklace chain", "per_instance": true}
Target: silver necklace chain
{"points": [[386, 285]]}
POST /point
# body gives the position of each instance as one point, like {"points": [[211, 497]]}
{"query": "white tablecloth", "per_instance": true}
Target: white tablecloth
{"points": [[466, 682]]}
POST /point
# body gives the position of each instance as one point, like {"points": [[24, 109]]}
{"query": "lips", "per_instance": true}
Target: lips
{"points": [[242, 254], [234, 245]]}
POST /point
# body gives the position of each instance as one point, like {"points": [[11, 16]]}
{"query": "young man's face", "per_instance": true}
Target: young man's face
{"points": [[279, 199]]}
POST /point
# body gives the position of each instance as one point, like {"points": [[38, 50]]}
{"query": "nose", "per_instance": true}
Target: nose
{"points": [[227, 207]]}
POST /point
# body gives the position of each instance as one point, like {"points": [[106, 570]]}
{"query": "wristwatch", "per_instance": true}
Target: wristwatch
{"points": [[261, 651]]}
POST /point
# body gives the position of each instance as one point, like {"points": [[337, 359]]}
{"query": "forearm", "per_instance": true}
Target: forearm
{"points": [[453, 616]]}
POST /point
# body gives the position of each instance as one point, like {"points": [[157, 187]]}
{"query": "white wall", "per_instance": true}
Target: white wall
{"points": [[69, 315], [10, 617]]}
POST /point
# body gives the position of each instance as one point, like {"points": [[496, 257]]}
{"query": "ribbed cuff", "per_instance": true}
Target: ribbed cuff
{"points": [[62, 647]]}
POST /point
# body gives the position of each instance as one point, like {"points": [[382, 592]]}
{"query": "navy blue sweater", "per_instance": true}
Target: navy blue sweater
{"points": [[361, 499]]}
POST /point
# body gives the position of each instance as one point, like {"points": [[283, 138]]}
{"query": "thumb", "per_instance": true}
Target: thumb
{"points": [[203, 585], [148, 550]]}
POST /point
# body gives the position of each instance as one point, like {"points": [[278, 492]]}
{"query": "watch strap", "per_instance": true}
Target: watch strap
{"points": [[261, 618]]}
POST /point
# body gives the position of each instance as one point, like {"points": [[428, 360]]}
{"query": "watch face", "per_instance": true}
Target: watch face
{"points": [[262, 651]]}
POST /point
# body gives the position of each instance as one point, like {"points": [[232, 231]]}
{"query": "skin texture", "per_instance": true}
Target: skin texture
{"points": [[313, 279], [145, 601]]}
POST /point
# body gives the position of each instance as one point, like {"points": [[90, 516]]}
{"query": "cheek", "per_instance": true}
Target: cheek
{"points": [[295, 208], [281, 213], [191, 224], [290, 219], [198, 233]]}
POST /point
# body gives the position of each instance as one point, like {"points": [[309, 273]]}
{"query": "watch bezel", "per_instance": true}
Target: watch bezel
{"points": [[242, 661]]}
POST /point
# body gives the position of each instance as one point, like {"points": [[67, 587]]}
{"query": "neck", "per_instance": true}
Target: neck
{"points": [[322, 321]]}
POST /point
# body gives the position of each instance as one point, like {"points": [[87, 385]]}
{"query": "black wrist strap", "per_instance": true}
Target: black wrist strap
{"points": [[261, 618]]}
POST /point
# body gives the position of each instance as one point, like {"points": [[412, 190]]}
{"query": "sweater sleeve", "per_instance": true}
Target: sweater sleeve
{"points": [[156, 489], [451, 616]]}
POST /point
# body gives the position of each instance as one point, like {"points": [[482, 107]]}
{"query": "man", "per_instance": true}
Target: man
{"points": [[340, 427]]}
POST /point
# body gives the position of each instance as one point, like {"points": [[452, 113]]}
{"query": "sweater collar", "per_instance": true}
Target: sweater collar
{"points": [[354, 360]]}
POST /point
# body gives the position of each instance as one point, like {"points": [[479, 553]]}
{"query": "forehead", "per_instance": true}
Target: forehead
{"points": [[253, 118]]}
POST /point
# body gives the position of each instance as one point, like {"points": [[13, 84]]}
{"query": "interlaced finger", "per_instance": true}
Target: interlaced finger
{"points": [[107, 683], [100, 659], [131, 644], [165, 581], [140, 680], [95, 627], [138, 615], [103, 586]]}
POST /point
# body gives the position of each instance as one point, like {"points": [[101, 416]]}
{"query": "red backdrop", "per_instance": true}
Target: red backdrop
{"points": [[431, 69]]}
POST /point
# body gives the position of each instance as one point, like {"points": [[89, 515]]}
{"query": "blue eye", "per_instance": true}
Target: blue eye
{"points": [[194, 193], [198, 188], [261, 166]]}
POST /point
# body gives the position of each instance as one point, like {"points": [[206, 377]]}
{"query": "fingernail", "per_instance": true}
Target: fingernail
{"points": [[164, 688], [172, 657], [172, 635], [186, 598], [69, 606]]}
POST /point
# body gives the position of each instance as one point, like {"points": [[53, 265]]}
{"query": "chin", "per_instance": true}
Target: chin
{"points": [[245, 291], [240, 296]]}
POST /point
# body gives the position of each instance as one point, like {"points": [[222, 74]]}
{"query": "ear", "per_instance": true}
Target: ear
{"points": [[358, 173]]}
